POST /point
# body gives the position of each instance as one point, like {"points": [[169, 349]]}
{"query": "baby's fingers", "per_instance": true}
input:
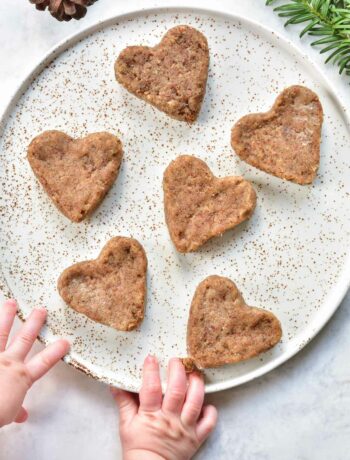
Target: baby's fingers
{"points": [[207, 423], [41, 363], [24, 340], [126, 402], [194, 400], [176, 387], [7, 316], [151, 390], [21, 416]]}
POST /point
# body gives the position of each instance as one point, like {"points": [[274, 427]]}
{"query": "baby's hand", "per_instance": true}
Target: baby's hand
{"points": [[172, 428], [16, 375]]}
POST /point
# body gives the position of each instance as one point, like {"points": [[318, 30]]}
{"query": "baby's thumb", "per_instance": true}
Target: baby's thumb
{"points": [[21, 416], [126, 403]]}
